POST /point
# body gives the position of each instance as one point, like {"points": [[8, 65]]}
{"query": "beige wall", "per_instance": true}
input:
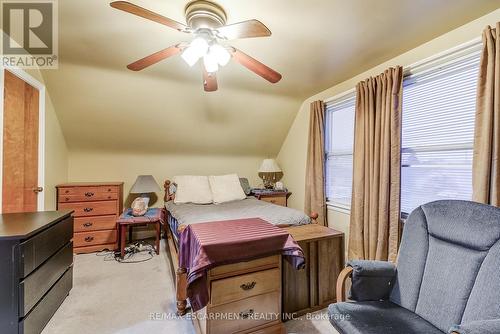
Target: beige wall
{"points": [[56, 156], [292, 156], [339, 220], [56, 152], [125, 166]]}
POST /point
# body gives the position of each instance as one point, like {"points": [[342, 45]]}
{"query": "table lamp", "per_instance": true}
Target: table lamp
{"points": [[144, 185], [270, 173]]}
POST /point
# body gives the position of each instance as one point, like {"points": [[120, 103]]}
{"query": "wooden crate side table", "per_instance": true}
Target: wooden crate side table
{"points": [[313, 288], [96, 207], [126, 221]]}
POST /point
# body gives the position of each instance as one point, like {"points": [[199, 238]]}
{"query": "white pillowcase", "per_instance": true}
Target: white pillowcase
{"points": [[192, 189], [226, 188]]}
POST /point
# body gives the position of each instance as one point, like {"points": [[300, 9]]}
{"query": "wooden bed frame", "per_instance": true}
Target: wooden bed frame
{"points": [[181, 273]]}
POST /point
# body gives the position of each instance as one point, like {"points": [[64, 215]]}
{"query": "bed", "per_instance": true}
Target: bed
{"points": [[179, 216]]}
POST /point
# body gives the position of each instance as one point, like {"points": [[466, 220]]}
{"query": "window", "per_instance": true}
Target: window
{"points": [[439, 102], [438, 132], [339, 140]]}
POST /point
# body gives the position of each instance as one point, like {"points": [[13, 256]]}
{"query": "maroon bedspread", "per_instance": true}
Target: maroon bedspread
{"points": [[206, 245]]}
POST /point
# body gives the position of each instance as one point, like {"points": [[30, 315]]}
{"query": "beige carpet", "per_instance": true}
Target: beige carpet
{"points": [[111, 297]]}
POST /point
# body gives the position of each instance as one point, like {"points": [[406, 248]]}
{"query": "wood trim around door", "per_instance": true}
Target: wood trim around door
{"points": [[20, 73]]}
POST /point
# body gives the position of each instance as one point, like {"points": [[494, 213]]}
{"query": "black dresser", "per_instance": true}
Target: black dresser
{"points": [[36, 268]]}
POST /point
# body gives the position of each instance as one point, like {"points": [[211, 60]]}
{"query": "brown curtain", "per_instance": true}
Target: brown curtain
{"points": [[315, 200], [374, 227], [486, 167]]}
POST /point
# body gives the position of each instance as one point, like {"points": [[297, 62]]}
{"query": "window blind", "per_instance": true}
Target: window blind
{"points": [[339, 138], [438, 132]]}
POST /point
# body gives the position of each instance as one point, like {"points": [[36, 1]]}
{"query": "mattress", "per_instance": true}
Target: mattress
{"points": [[186, 214], [172, 222]]}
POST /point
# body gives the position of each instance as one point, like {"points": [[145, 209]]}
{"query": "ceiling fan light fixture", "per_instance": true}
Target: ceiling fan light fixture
{"points": [[206, 21], [197, 49], [220, 53], [210, 62]]}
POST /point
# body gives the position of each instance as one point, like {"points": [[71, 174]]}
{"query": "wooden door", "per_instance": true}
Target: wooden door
{"points": [[20, 145]]}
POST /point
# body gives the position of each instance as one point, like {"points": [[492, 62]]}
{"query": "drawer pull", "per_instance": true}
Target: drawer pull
{"points": [[66, 191], [89, 194], [247, 314], [248, 286], [273, 201], [87, 224], [89, 239], [88, 209], [67, 199]]}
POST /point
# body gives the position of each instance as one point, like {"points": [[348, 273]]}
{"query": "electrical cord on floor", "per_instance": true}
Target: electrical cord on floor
{"points": [[140, 249]]}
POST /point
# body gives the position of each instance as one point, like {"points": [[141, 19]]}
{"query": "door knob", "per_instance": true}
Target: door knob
{"points": [[38, 189]]}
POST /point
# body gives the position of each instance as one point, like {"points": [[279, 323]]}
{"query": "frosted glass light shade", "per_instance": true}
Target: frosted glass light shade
{"points": [[221, 54], [269, 166], [190, 57], [145, 184], [200, 46], [197, 49], [210, 62]]}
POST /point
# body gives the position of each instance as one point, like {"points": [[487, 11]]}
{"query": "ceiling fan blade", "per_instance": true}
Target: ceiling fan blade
{"points": [[147, 14], [154, 58], [256, 66], [245, 29], [209, 81]]}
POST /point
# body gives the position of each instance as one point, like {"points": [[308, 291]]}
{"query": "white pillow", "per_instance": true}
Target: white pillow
{"points": [[226, 188], [192, 189]]}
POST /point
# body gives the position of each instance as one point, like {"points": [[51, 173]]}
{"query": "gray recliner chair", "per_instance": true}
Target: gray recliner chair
{"points": [[447, 278]]}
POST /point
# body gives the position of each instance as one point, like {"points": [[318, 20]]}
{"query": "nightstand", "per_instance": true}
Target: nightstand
{"points": [[272, 196], [127, 221]]}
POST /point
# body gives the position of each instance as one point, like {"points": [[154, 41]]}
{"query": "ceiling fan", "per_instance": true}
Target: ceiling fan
{"points": [[206, 20]]}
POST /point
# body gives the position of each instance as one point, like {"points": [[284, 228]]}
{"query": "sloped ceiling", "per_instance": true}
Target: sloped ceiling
{"points": [[315, 44]]}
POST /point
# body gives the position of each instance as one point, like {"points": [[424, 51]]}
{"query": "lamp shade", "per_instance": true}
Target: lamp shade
{"points": [[269, 166], [145, 184]]}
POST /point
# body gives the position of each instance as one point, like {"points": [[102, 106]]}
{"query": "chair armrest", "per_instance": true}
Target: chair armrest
{"points": [[491, 326], [341, 281], [371, 280]]}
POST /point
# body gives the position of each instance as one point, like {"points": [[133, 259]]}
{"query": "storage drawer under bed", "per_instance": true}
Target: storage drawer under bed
{"points": [[243, 286], [246, 313]]}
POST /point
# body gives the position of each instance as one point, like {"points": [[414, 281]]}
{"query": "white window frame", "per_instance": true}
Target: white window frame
{"points": [[340, 98]]}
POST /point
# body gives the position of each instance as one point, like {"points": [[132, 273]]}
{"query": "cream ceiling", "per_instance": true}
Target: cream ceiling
{"points": [[315, 44]]}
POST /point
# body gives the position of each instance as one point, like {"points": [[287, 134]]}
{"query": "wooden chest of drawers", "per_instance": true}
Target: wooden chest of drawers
{"points": [[245, 297], [96, 207], [36, 256]]}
